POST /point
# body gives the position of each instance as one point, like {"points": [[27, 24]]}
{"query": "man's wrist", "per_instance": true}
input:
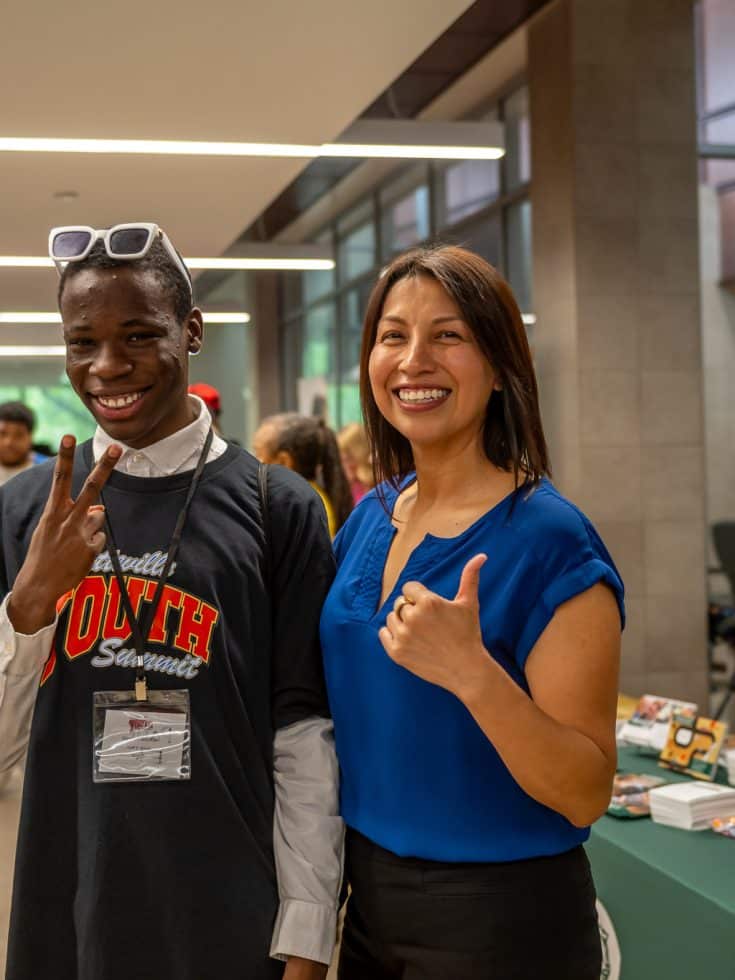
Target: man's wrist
{"points": [[29, 614], [298, 968]]}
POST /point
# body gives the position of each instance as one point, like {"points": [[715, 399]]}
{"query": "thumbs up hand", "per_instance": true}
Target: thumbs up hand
{"points": [[438, 639]]}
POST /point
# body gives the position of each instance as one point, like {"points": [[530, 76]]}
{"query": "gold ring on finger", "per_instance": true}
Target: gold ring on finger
{"points": [[400, 603]]}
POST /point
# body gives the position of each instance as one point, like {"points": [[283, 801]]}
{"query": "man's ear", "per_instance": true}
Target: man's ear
{"points": [[194, 331]]}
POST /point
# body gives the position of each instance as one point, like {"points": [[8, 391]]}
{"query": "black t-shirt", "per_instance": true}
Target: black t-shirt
{"points": [[168, 880]]}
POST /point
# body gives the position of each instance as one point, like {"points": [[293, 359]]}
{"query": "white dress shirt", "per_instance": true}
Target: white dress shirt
{"points": [[308, 833]]}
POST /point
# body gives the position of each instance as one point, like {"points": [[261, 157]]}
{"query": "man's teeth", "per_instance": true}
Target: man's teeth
{"points": [[121, 401], [421, 394]]}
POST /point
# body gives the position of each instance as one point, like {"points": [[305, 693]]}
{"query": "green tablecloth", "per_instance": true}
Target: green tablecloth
{"points": [[670, 893]]}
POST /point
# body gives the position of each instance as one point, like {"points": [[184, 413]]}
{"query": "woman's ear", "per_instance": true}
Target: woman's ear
{"points": [[284, 458]]}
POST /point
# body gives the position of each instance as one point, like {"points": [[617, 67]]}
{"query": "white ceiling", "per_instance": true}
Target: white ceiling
{"points": [[234, 70]]}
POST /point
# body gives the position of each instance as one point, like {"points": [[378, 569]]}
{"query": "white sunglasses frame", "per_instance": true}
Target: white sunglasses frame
{"points": [[106, 233]]}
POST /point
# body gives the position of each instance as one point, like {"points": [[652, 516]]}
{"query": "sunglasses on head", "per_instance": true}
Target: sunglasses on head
{"points": [[128, 242]]}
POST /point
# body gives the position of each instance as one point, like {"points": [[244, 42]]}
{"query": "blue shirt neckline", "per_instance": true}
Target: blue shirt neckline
{"points": [[427, 546]]}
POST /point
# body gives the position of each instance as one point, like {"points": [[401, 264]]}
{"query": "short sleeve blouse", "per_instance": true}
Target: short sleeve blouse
{"points": [[418, 775]]}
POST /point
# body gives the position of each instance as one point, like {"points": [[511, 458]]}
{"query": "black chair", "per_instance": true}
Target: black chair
{"points": [[723, 535], [722, 613]]}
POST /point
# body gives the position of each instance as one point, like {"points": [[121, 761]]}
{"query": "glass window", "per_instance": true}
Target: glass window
{"points": [[356, 248], [56, 406], [404, 209], [465, 187], [717, 20], [318, 345], [318, 282], [483, 238], [719, 172], [517, 139], [291, 292], [316, 389], [352, 313], [721, 130], [291, 348], [518, 259]]}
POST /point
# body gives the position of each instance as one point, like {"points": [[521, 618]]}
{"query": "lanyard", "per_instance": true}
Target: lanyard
{"points": [[140, 628]]}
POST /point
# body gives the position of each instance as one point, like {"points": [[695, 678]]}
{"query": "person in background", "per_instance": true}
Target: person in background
{"points": [[308, 446], [211, 398], [17, 453], [471, 641], [355, 454], [17, 423]]}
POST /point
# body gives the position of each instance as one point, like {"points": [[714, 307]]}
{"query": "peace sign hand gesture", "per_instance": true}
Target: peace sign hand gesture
{"points": [[438, 639], [66, 541]]}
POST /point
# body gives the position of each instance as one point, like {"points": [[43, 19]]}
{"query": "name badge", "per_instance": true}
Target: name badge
{"points": [[141, 741]]}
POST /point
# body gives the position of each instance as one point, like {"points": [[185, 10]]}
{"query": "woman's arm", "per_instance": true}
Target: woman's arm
{"points": [[559, 744]]}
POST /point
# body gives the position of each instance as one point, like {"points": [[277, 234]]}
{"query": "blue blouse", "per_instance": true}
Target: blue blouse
{"points": [[418, 776]]}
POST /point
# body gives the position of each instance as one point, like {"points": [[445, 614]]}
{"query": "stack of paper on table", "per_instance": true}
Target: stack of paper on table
{"points": [[690, 805], [729, 757]]}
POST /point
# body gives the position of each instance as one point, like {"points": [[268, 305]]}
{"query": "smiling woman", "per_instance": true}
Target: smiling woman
{"points": [[473, 313], [471, 641]]}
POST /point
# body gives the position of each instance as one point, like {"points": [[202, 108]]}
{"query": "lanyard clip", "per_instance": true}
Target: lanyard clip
{"points": [[141, 689]]}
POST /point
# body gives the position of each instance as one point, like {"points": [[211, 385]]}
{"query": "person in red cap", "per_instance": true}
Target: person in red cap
{"points": [[211, 398]]}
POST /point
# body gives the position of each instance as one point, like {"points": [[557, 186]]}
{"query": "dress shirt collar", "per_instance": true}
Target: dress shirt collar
{"points": [[174, 454]]}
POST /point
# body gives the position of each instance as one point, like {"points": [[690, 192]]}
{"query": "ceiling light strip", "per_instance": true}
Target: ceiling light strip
{"points": [[26, 317], [304, 265], [231, 265], [13, 144], [396, 152], [11, 351], [30, 318]]}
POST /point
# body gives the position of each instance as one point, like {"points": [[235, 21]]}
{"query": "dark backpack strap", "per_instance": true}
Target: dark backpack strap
{"points": [[266, 519]]}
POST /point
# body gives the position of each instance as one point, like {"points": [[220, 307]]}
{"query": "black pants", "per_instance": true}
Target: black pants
{"points": [[409, 919]]}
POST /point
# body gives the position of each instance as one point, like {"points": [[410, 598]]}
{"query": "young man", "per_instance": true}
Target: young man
{"points": [[212, 850], [17, 423]]}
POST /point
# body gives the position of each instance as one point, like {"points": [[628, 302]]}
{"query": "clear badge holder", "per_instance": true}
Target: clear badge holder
{"points": [[141, 741]]}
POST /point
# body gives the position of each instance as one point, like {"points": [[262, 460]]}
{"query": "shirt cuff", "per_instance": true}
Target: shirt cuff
{"points": [[304, 929], [23, 653]]}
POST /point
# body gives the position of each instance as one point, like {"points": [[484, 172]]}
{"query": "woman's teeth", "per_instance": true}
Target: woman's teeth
{"points": [[121, 401], [422, 394]]}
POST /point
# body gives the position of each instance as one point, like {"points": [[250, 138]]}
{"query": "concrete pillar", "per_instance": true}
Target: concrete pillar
{"points": [[616, 291]]}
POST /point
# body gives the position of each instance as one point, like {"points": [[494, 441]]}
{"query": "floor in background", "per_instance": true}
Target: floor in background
{"points": [[9, 813]]}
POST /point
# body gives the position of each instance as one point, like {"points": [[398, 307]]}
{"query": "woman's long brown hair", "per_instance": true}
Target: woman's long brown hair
{"points": [[513, 435]]}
